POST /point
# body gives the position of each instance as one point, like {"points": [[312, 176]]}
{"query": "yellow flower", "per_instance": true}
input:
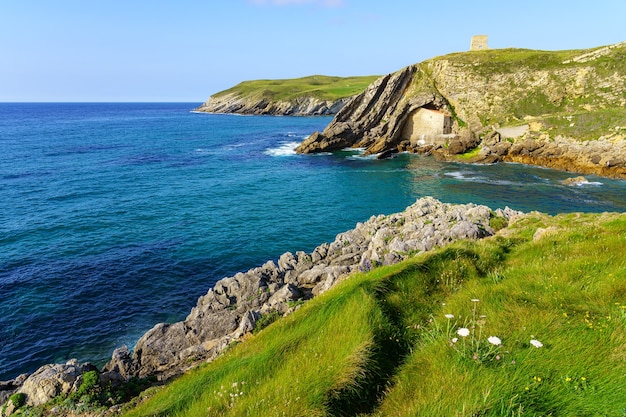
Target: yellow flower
{"points": [[568, 379], [583, 378]]}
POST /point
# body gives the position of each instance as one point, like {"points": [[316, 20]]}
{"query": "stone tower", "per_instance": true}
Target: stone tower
{"points": [[479, 43]]}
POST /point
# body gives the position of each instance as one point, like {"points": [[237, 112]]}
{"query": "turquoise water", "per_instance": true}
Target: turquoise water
{"points": [[114, 217]]}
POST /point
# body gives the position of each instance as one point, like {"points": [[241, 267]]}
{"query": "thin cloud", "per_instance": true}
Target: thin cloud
{"points": [[321, 3]]}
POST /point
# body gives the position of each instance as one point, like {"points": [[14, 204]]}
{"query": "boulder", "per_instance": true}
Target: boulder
{"points": [[50, 381], [8, 388], [575, 181], [120, 367]]}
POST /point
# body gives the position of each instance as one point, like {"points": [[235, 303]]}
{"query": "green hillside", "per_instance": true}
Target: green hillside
{"points": [[387, 342], [319, 86]]}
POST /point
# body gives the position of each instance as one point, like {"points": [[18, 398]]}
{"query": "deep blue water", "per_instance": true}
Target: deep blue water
{"points": [[114, 217]]}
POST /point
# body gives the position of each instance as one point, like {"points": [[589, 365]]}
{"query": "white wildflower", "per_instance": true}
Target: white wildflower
{"points": [[536, 343], [475, 300], [494, 340], [455, 339], [449, 316], [463, 332]]}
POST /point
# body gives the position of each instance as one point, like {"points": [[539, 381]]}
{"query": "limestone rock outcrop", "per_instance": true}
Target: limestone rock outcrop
{"points": [[503, 110], [46, 383], [231, 308], [302, 106]]}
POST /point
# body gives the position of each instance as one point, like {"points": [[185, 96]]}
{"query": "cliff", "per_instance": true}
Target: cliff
{"points": [[315, 95], [563, 109]]}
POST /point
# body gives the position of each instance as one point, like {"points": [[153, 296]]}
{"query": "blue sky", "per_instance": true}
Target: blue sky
{"points": [[139, 50]]}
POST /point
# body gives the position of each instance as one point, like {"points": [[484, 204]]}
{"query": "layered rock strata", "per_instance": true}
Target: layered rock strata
{"points": [[302, 106], [477, 96], [232, 307]]}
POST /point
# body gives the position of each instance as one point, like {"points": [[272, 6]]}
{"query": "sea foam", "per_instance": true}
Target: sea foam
{"points": [[284, 149]]}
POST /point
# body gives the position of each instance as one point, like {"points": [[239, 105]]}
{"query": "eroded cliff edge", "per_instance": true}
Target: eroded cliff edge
{"points": [[563, 109], [301, 106], [315, 95]]}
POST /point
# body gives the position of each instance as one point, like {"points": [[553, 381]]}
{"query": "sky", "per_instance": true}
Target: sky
{"points": [[185, 51]]}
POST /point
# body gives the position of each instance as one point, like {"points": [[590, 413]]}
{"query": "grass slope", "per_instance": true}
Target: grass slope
{"points": [[380, 343], [318, 86]]}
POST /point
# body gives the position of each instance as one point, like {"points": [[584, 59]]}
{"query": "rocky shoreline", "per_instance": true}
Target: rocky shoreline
{"points": [[603, 157], [231, 309], [488, 112], [303, 106]]}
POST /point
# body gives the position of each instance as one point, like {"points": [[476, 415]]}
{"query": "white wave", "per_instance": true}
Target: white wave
{"points": [[459, 175], [360, 157], [465, 176], [285, 149], [590, 183], [203, 151], [236, 145], [357, 150]]}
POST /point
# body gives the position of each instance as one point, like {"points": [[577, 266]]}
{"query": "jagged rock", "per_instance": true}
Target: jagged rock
{"points": [[575, 181], [120, 367], [333, 275], [230, 309], [50, 381], [157, 350], [472, 93], [465, 230], [301, 106], [372, 119], [247, 323], [279, 301], [7, 388]]}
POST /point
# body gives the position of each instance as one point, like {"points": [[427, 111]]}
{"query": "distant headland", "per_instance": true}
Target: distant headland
{"points": [[315, 95]]}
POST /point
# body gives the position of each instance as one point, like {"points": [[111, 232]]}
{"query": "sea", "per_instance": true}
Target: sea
{"points": [[117, 216]]}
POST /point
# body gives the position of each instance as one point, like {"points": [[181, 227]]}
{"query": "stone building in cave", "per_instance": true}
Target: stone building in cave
{"points": [[426, 125]]}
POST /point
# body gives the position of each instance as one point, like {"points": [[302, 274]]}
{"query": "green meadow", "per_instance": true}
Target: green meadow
{"points": [[319, 86], [530, 322]]}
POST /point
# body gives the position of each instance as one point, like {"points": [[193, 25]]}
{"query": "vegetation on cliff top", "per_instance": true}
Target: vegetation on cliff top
{"points": [[531, 322], [318, 86], [574, 93]]}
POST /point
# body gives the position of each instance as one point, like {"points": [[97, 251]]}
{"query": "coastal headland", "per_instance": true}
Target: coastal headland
{"points": [[559, 109], [315, 95]]}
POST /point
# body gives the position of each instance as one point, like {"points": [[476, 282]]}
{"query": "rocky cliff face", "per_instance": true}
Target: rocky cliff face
{"points": [[571, 106], [302, 106]]}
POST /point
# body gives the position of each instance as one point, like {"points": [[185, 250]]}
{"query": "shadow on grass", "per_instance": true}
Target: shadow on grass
{"points": [[419, 290]]}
